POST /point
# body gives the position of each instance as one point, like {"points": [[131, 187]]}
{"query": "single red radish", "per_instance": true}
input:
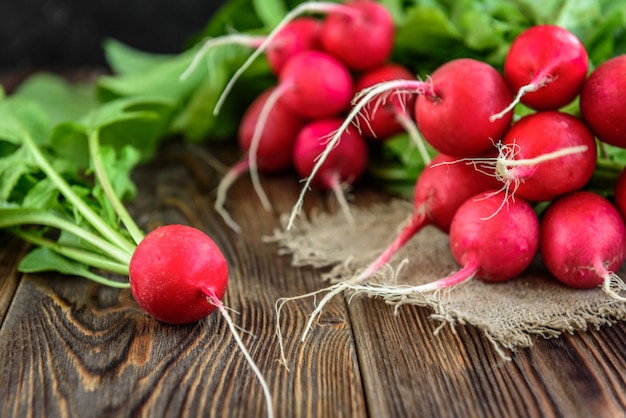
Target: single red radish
{"points": [[358, 15], [316, 85], [546, 65], [583, 242], [546, 154], [266, 137], [362, 40], [345, 164], [602, 101], [496, 247], [452, 111], [179, 275]]}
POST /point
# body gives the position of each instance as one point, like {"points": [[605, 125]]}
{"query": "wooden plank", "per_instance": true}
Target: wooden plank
{"points": [[72, 348], [11, 250], [409, 370]]}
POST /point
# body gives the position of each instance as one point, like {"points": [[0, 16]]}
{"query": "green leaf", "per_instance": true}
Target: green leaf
{"points": [[42, 259], [161, 80], [125, 60], [12, 168], [43, 195], [69, 142], [137, 121], [61, 100], [271, 12], [19, 116]]}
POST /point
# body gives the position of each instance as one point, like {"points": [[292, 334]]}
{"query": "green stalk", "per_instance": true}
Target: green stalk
{"points": [[83, 256], [22, 216], [96, 221], [103, 179]]}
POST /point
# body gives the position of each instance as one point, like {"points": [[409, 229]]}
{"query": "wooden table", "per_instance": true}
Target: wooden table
{"points": [[70, 348]]}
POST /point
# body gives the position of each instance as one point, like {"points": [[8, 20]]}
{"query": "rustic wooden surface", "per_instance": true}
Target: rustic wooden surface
{"points": [[70, 348]]}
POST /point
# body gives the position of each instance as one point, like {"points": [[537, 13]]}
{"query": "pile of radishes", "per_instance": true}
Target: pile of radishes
{"points": [[496, 171], [319, 63]]}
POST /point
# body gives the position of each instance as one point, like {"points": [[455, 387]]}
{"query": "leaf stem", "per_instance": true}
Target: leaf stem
{"points": [[96, 221], [92, 259], [23, 216], [103, 179]]}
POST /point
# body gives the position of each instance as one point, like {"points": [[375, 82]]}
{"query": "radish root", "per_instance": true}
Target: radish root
{"points": [[214, 300], [227, 181], [528, 88]]}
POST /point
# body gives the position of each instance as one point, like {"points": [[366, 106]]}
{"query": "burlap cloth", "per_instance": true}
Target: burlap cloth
{"points": [[510, 314]]}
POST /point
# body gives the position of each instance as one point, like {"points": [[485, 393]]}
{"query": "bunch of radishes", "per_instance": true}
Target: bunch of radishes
{"points": [[319, 63], [496, 171]]}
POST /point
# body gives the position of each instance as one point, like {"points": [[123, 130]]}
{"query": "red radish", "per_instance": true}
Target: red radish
{"points": [[266, 136], [583, 242], [547, 154], [440, 189], [316, 85], [302, 34], [277, 134], [358, 15], [362, 40], [620, 194], [384, 119], [345, 164], [452, 111], [494, 248], [179, 275], [602, 100], [453, 115], [546, 65], [299, 35]]}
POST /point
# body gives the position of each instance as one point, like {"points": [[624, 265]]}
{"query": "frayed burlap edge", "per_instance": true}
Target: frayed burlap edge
{"points": [[510, 314]]}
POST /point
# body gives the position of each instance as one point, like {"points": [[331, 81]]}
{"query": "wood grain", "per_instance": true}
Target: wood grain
{"points": [[70, 348]]}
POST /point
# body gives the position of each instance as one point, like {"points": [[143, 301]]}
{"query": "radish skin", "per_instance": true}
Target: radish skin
{"points": [[546, 65], [583, 242], [266, 136], [316, 85], [301, 34], [361, 40], [545, 155], [602, 101], [345, 164]]}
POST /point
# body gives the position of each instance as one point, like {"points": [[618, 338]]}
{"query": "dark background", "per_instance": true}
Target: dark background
{"points": [[69, 33]]}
